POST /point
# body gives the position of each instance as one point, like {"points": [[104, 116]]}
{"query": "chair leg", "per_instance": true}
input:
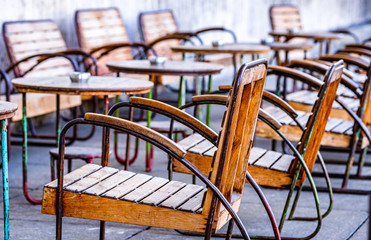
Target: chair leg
{"points": [[230, 230], [361, 161], [102, 230], [349, 165], [69, 164], [52, 168]]}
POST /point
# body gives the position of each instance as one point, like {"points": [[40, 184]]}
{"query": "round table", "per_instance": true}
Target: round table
{"points": [[173, 68], [7, 110], [230, 48], [102, 85], [320, 37]]}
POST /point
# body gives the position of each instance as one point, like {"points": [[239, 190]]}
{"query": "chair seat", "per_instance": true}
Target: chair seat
{"points": [[78, 152], [163, 126], [338, 132], [94, 188], [304, 100], [200, 153], [39, 103]]}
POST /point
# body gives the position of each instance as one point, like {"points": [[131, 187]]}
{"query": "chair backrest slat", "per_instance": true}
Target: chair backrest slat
{"points": [[25, 38], [285, 17], [99, 27], [156, 24], [235, 139]]}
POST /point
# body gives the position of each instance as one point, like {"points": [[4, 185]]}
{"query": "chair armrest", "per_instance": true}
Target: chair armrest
{"points": [[346, 32], [279, 102], [41, 58], [295, 74], [348, 59], [267, 118], [210, 29], [113, 46], [135, 127], [322, 66], [169, 37], [8, 85]]}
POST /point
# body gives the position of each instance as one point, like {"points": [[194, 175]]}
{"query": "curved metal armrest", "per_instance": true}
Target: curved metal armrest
{"points": [[209, 29], [85, 55], [279, 102], [41, 58], [295, 75], [357, 120], [8, 85], [346, 32]]}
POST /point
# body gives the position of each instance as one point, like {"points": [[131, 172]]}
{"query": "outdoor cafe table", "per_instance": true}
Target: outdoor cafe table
{"points": [[230, 48], [7, 110], [316, 36], [102, 85], [170, 68]]}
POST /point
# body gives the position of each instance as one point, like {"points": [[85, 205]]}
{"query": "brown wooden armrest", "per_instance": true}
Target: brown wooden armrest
{"points": [[135, 127], [360, 45], [225, 87], [361, 51], [349, 59], [210, 97], [323, 66], [296, 75], [175, 111], [266, 117], [279, 102]]}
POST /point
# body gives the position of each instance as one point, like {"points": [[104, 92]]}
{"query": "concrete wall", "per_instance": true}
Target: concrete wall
{"points": [[248, 18]]}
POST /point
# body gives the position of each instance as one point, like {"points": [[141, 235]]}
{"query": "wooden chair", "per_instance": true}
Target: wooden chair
{"points": [[192, 208], [350, 123], [102, 33], [272, 168], [36, 48]]}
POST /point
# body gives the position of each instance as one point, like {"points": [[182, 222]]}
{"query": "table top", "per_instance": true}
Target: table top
{"points": [[175, 68], [286, 46], [231, 48], [312, 35], [7, 109], [101, 85]]}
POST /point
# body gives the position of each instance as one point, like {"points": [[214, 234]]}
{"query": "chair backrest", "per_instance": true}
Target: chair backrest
{"points": [[310, 141], [364, 111], [284, 17], [100, 27], [26, 38], [235, 140], [156, 24]]}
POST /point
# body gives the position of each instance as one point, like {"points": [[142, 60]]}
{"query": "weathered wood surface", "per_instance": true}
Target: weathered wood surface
{"points": [[311, 35], [7, 109], [94, 86], [177, 68]]}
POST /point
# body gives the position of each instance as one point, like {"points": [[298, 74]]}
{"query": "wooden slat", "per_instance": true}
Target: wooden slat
{"points": [[75, 175], [283, 164], [109, 183], [194, 204], [127, 186], [145, 189], [332, 123], [163, 193], [190, 141], [255, 154], [181, 196], [201, 147], [210, 152], [268, 159], [343, 127], [91, 179]]}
